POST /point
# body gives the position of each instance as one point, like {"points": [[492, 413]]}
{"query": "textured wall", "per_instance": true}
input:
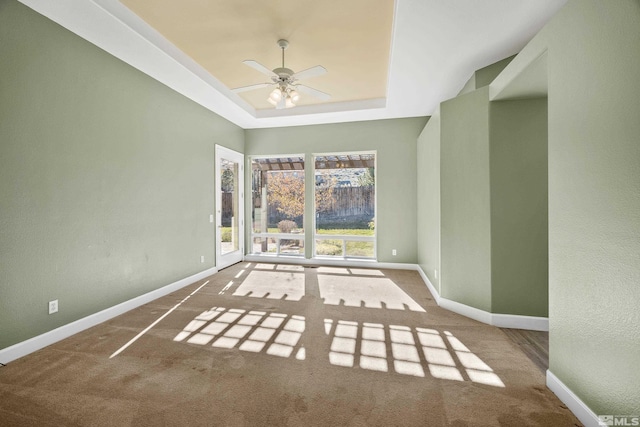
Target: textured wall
{"points": [[428, 198], [465, 200], [106, 178], [490, 186], [594, 202], [519, 208]]}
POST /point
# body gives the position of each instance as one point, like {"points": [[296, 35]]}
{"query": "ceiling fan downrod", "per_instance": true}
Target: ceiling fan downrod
{"points": [[283, 45]]}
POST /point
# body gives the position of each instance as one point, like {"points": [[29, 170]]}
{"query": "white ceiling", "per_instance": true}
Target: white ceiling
{"points": [[435, 47]]}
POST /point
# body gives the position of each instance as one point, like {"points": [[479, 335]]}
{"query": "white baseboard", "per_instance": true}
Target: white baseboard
{"points": [[512, 321], [500, 320], [36, 343], [425, 279], [573, 402], [496, 319], [466, 310], [317, 262]]}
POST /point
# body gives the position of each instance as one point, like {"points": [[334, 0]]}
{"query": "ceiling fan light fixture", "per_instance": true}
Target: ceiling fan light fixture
{"points": [[272, 102], [289, 103], [275, 96], [295, 96]]}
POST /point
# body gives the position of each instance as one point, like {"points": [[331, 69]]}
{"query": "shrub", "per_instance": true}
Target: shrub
{"points": [[329, 247], [285, 226]]}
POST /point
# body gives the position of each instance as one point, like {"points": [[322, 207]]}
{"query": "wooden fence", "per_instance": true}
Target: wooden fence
{"points": [[348, 202], [351, 202]]}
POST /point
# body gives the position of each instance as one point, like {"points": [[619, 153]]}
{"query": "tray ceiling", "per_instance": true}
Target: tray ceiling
{"points": [[386, 59], [353, 46]]}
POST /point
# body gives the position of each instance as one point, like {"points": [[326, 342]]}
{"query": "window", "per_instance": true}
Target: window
{"points": [[278, 205], [345, 205]]}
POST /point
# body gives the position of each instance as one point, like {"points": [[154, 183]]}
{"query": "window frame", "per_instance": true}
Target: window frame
{"points": [[343, 237], [278, 237]]}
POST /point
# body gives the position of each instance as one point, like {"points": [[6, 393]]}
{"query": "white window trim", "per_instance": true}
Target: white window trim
{"points": [[345, 237], [277, 236]]}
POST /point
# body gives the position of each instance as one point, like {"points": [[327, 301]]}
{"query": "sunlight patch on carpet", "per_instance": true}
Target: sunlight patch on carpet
{"points": [[287, 284], [374, 292], [277, 334]]}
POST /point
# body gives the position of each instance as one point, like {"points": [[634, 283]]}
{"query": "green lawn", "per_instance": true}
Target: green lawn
{"points": [[332, 246], [343, 232], [226, 231], [348, 232]]}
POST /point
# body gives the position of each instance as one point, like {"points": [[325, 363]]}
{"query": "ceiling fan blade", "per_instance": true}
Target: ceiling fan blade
{"points": [[313, 92], [318, 70], [250, 87], [259, 67]]}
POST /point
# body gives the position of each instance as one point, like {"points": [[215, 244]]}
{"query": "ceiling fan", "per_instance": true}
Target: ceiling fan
{"points": [[285, 95]]}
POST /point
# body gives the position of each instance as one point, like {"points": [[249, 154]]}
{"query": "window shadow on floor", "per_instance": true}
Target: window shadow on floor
{"points": [[345, 316]]}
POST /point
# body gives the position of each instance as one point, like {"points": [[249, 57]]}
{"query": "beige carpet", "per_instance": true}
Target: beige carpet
{"points": [[281, 345]]}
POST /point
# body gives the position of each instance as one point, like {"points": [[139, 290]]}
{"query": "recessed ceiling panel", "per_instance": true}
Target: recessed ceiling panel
{"points": [[351, 39]]}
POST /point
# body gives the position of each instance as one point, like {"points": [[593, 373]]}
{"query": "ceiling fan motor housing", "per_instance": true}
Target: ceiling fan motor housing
{"points": [[283, 73], [283, 44]]}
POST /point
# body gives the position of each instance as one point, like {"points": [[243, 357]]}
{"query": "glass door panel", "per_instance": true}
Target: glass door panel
{"points": [[229, 221], [229, 207]]}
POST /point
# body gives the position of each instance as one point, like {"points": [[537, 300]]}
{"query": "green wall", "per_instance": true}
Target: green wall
{"points": [[106, 178], [428, 198], [594, 201], [482, 203], [519, 209], [593, 125], [484, 76], [465, 200], [395, 143]]}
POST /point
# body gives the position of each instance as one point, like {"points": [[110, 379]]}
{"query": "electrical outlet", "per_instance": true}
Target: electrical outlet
{"points": [[202, 258], [394, 252], [53, 306]]}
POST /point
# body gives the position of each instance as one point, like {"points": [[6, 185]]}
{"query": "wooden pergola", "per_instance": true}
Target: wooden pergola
{"points": [[321, 162], [345, 161], [279, 164]]}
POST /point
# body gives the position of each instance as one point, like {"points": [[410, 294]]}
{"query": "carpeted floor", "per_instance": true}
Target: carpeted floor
{"points": [[282, 345]]}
